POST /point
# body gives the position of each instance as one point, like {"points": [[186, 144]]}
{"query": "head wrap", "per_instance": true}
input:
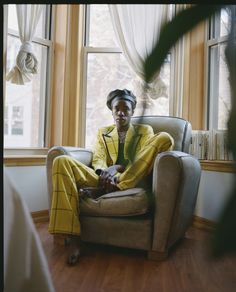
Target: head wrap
{"points": [[124, 94]]}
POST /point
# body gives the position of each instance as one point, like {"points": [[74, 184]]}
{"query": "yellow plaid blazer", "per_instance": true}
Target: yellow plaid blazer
{"points": [[106, 147]]}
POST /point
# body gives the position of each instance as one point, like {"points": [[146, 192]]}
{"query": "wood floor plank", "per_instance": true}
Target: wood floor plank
{"points": [[189, 267], [115, 275]]}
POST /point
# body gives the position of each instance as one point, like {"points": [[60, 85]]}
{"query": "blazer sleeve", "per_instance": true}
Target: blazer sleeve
{"points": [[99, 154]]}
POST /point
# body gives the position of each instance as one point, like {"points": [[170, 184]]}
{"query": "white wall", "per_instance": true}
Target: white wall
{"points": [[31, 184], [213, 192]]}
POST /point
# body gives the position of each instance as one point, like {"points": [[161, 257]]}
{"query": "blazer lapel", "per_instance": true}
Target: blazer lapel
{"points": [[111, 141]]}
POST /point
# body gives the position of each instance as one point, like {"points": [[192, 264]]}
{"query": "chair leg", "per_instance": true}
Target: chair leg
{"points": [[157, 255]]}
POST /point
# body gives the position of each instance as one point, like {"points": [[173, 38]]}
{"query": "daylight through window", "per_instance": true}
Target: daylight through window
{"points": [[24, 105], [107, 69]]}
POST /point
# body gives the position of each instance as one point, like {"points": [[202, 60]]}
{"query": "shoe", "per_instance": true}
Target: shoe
{"points": [[74, 249], [73, 258]]}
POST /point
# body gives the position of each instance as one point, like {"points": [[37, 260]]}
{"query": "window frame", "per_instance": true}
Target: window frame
{"points": [[176, 92], [212, 164], [14, 153]]}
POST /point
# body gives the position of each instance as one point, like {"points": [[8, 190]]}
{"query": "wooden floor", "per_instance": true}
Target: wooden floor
{"points": [[106, 269]]}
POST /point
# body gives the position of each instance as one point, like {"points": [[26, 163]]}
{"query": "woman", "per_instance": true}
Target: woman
{"points": [[124, 154]]}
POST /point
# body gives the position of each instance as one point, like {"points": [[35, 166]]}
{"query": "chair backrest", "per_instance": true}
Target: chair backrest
{"points": [[178, 128]]}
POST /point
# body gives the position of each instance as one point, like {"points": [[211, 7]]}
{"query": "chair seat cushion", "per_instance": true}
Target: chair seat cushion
{"points": [[130, 202]]}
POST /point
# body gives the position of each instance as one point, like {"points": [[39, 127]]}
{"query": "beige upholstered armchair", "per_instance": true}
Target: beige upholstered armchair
{"points": [[129, 219]]}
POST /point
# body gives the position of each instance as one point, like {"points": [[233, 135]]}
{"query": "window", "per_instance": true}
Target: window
{"points": [[218, 89], [107, 69], [25, 105], [212, 143]]}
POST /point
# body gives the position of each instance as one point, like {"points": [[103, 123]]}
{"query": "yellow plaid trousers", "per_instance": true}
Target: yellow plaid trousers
{"points": [[70, 174]]}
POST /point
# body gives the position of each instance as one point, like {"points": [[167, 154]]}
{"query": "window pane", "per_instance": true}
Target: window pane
{"points": [[41, 27], [109, 71], [220, 98], [25, 103], [101, 33], [224, 22], [218, 79], [220, 24], [224, 102]]}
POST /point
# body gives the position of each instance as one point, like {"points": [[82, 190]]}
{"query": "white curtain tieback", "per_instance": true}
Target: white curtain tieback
{"points": [[27, 47], [26, 60]]}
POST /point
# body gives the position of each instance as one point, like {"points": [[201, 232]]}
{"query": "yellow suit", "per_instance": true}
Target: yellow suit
{"points": [[140, 148]]}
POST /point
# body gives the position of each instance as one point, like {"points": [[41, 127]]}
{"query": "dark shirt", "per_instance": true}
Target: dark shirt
{"points": [[121, 159]]}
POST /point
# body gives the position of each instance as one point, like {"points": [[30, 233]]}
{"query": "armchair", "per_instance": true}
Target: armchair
{"points": [[175, 181]]}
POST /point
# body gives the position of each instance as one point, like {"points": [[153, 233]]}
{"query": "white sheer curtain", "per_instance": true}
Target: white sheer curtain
{"points": [[26, 62], [137, 28]]}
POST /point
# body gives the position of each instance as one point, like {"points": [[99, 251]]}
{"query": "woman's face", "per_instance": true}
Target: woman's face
{"points": [[122, 112]]}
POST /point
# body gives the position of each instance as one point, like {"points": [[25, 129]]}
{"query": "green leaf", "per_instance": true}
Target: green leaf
{"points": [[172, 32], [224, 237]]}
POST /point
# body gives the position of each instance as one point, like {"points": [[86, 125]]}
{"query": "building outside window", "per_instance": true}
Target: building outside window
{"points": [[17, 120], [107, 69], [24, 105]]}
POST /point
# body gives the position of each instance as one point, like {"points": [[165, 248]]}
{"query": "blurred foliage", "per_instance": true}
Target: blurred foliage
{"points": [[224, 238], [172, 31]]}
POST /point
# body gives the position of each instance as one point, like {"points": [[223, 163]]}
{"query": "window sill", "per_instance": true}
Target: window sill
{"points": [[218, 165], [34, 160], [26, 160], [25, 151], [25, 156]]}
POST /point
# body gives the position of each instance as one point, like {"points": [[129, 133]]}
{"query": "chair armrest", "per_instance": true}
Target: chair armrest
{"points": [[81, 154], [176, 177]]}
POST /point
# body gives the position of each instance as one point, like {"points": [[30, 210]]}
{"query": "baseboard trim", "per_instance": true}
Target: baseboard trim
{"points": [[203, 223], [40, 216]]}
